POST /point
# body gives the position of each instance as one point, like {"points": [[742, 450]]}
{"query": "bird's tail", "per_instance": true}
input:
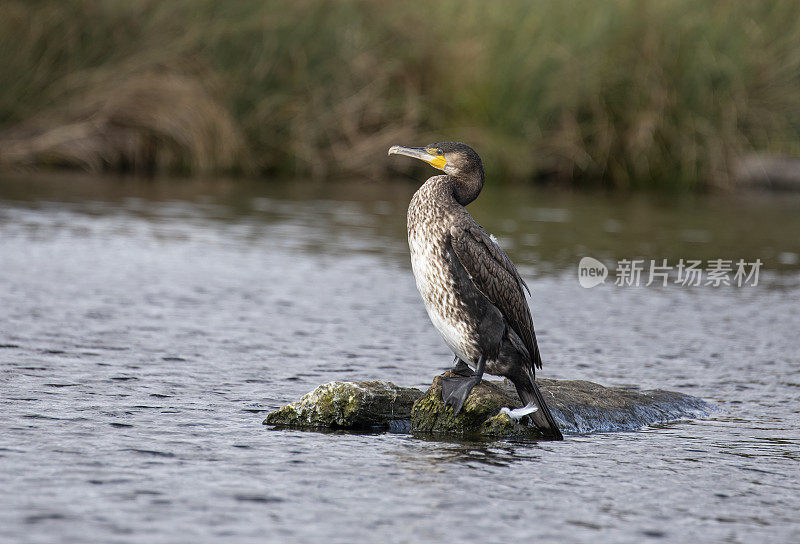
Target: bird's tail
{"points": [[529, 393]]}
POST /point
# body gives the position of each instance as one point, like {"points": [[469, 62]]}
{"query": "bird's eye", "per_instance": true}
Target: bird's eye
{"points": [[439, 151]]}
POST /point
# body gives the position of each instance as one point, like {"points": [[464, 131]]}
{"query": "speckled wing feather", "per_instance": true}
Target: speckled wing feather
{"points": [[494, 275]]}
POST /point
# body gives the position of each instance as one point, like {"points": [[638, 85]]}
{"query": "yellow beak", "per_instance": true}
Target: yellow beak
{"points": [[429, 155]]}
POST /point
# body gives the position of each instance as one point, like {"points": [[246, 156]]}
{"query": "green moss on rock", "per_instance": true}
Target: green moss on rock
{"points": [[503, 425], [577, 406], [348, 405], [480, 415]]}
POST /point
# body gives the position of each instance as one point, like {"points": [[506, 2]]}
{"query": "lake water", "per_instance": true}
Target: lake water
{"points": [[147, 327]]}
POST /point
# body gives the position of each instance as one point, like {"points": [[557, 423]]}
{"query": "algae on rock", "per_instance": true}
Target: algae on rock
{"points": [[348, 405], [480, 414], [578, 406]]}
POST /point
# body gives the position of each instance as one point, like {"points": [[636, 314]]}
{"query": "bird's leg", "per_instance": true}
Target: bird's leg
{"points": [[517, 413], [461, 368], [456, 390]]}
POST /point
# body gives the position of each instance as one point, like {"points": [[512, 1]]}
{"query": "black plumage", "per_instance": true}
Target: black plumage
{"points": [[472, 291], [493, 273]]}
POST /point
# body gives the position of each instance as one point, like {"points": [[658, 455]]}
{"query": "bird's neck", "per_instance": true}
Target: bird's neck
{"points": [[467, 187], [448, 190]]}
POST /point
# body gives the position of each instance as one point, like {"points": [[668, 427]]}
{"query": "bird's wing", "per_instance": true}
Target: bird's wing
{"points": [[494, 275]]}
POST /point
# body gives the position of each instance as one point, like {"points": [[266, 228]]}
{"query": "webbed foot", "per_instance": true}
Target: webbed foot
{"points": [[519, 413], [456, 390]]}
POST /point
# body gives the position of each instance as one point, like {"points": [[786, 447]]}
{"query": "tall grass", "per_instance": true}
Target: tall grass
{"points": [[629, 93]]}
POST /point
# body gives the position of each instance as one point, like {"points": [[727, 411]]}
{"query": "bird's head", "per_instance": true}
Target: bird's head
{"points": [[455, 159]]}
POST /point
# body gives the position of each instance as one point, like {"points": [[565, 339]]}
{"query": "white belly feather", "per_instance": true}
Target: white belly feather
{"points": [[436, 285]]}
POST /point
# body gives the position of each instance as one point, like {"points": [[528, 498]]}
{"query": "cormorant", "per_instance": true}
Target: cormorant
{"points": [[471, 289]]}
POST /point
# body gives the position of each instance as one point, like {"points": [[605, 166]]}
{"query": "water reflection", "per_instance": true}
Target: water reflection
{"points": [[421, 452], [548, 231]]}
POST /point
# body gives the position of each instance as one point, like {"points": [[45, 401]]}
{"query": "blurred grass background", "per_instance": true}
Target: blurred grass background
{"points": [[628, 93]]}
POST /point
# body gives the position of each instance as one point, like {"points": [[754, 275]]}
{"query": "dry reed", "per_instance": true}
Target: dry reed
{"points": [[625, 93]]}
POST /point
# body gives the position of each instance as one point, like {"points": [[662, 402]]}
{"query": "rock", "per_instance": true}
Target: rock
{"points": [[480, 414], [581, 406], [349, 405], [578, 406]]}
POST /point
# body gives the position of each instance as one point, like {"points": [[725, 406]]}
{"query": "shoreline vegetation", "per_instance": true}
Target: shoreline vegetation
{"points": [[626, 94]]}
